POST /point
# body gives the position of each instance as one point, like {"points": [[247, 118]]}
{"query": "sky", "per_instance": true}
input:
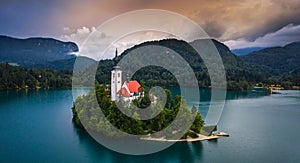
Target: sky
{"points": [[237, 23]]}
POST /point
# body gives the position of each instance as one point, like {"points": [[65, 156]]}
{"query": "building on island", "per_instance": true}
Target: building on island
{"points": [[129, 90]]}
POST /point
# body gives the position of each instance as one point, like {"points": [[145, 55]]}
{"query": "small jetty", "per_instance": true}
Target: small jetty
{"points": [[199, 138], [222, 134]]}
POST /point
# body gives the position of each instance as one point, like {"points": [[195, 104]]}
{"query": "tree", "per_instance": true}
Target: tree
{"points": [[88, 112]]}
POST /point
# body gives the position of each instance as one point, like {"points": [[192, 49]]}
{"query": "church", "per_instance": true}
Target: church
{"points": [[128, 91]]}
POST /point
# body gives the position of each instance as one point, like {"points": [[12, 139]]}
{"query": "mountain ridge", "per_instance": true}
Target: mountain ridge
{"points": [[37, 50], [244, 51], [258, 66], [282, 60]]}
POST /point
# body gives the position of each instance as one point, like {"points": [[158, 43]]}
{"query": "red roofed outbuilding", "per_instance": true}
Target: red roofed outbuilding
{"points": [[124, 92], [130, 89], [133, 86]]}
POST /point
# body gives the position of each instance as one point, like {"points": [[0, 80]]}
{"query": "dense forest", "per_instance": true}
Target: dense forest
{"points": [[12, 77], [86, 111], [240, 75], [281, 60], [277, 65], [241, 72]]}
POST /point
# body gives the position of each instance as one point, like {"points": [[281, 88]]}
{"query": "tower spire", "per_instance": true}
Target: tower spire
{"points": [[116, 52], [116, 57]]}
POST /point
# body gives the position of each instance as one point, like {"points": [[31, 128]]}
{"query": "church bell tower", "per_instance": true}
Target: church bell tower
{"points": [[116, 78]]}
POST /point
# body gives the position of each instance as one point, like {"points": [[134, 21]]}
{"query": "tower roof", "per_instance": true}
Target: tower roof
{"points": [[116, 60]]}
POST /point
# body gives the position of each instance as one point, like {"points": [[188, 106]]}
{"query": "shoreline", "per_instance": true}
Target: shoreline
{"points": [[200, 138]]}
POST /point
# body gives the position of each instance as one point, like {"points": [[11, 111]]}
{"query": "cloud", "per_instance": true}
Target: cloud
{"points": [[214, 29], [238, 24], [103, 41], [283, 36], [140, 37], [223, 19], [78, 36], [130, 29]]}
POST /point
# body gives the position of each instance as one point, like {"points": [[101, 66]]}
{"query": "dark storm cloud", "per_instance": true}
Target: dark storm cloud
{"points": [[213, 28], [222, 19], [283, 36]]}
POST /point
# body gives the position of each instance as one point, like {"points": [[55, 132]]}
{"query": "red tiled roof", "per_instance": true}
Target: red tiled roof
{"points": [[124, 92], [133, 86]]}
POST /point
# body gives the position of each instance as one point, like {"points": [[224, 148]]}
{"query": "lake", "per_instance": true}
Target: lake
{"points": [[36, 126]]}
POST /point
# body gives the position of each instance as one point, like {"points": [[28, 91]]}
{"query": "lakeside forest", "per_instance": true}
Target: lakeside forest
{"points": [[12, 77], [87, 113], [32, 66]]}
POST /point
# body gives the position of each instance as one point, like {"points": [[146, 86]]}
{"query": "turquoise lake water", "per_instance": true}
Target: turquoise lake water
{"points": [[37, 127]]}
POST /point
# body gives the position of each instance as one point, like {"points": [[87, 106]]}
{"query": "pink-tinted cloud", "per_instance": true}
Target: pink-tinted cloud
{"points": [[222, 19]]}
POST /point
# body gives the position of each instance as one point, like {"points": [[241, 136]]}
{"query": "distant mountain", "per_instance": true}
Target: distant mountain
{"points": [[280, 59], [245, 51], [31, 51], [237, 71], [269, 65], [65, 64]]}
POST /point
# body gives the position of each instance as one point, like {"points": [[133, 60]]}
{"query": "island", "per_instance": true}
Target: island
{"points": [[87, 113]]}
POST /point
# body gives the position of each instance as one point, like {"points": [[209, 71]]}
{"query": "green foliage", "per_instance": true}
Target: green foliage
{"points": [[12, 77], [85, 110], [198, 123], [207, 130], [278, 60], [277, 65], [239, 74]]}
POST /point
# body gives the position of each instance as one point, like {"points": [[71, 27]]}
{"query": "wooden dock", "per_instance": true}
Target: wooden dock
{"points": [[200, 138]]}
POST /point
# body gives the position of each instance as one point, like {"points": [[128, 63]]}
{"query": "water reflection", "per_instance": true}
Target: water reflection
{"points": [[179, 152], [205, 94]]}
